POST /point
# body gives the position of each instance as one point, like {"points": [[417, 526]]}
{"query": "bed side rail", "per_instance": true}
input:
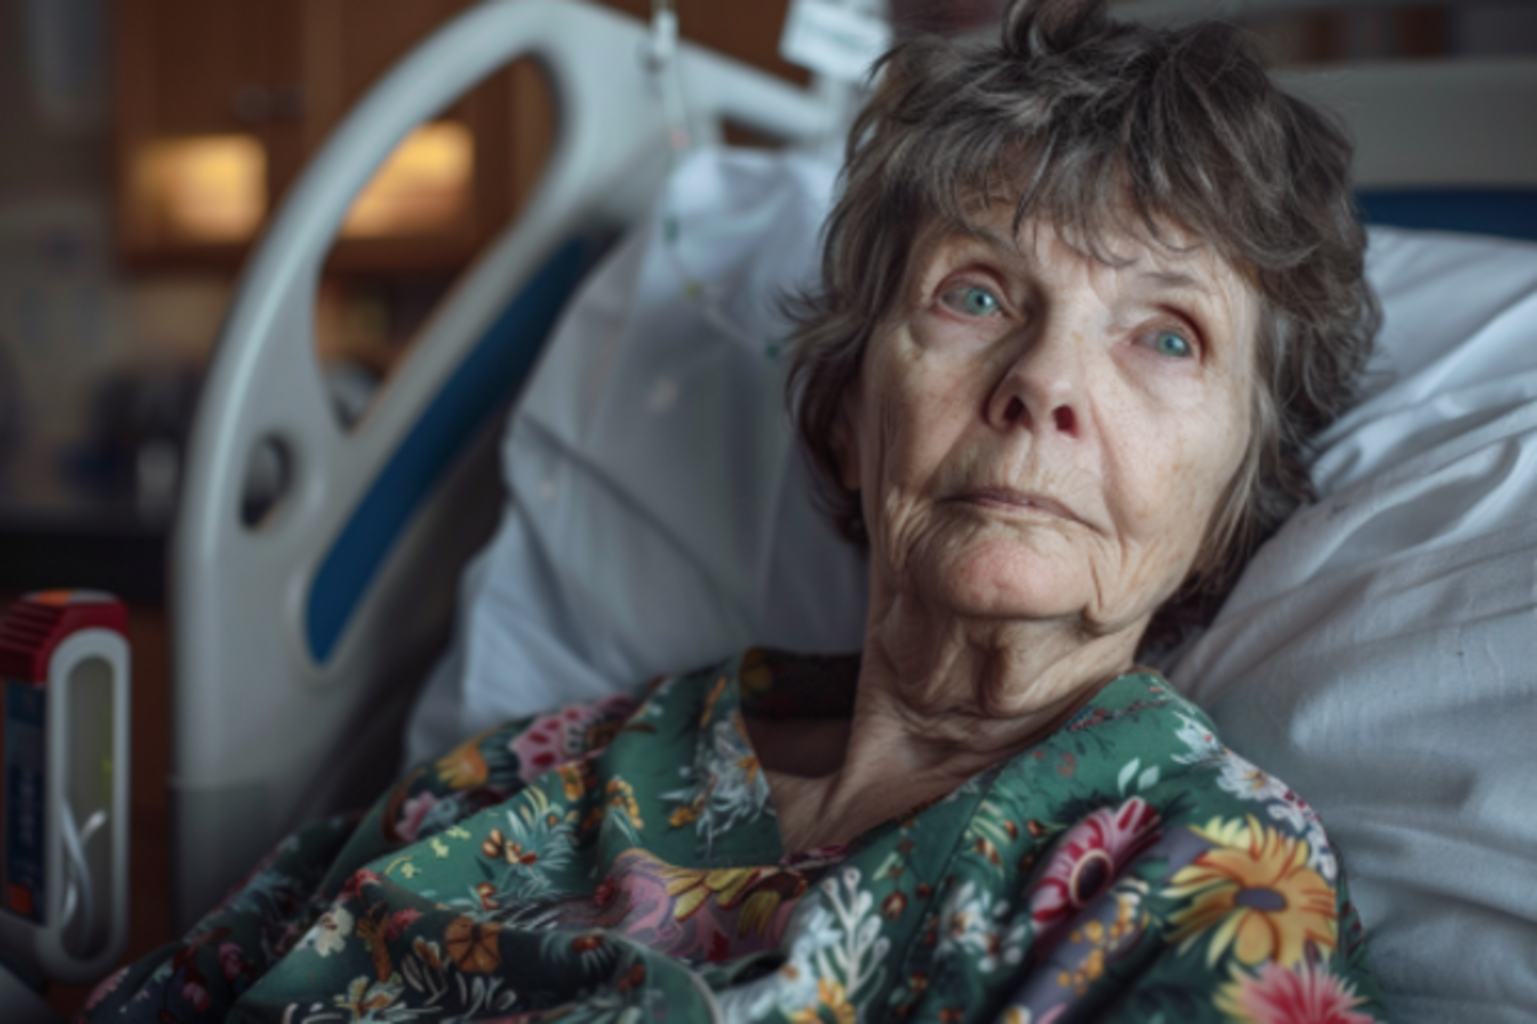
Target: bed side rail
{"points": [[291, 674]]}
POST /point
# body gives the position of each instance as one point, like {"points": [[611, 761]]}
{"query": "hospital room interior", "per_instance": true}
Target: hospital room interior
{"points": [[267, 266]]}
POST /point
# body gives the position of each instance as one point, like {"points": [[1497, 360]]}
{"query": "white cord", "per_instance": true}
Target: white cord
{"points": [[663, 65], [78, 889]]}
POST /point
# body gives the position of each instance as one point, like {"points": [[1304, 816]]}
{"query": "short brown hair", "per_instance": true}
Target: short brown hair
{"points": [[1102, 129]]}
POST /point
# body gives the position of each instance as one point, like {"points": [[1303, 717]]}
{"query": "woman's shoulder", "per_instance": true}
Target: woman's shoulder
{"points": [[1140, 737], [1148, 817], [1141, 751]]}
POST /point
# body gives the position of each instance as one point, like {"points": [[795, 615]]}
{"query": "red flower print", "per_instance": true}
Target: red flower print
{"points": [[195, 994], [563, 737], [107, 986], [1089, 857], [412, 813], [400, 921], [353, 889], [232, 960], [1310, 994]]}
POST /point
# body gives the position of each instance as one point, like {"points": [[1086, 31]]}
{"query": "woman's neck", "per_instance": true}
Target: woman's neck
{"points": [[938, 701]]}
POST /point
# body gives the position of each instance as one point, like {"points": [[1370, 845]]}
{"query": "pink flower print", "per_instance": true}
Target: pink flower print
{"points": [[1310, 994], [412, 813], [107, 986], [563, 737], [1089, 857], [232, 960], [195, 994]]}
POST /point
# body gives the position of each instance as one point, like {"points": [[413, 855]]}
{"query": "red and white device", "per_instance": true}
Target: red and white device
{"points": [[64, 686]]}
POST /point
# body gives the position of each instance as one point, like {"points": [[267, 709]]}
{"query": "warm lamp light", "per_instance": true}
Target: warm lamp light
{"points": [[210, 188], [424, 186]]}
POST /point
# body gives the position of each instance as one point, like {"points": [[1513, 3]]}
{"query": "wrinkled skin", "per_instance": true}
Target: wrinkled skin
{"points": [[1040, 441], [1061, 396]]}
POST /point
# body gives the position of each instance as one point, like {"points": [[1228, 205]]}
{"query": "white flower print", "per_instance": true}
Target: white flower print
{"points": [[1201, 743], [330, 933], [1248, 782], [970, 921], [812, 932]]}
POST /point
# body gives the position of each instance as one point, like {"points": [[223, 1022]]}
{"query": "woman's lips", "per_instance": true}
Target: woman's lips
{"points": [[1009, 500]]}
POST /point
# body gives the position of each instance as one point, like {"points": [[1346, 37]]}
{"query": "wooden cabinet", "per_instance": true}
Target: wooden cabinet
{"points": [[221, 101]]}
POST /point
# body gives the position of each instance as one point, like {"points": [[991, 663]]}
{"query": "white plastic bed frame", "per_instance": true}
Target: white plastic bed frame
{"points": [[299, 640]]}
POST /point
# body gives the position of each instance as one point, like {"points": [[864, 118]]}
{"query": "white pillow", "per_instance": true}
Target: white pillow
{"points": [[1380, 653], [659, 513]]}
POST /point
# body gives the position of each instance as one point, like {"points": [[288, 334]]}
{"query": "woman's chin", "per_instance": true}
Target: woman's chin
{"points": [[1008, 580]]}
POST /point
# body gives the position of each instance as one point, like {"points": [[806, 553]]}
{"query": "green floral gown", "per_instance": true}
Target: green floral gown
{"points": [[621, 861]]}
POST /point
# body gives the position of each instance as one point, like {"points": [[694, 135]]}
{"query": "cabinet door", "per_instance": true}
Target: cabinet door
{"points": [[196, 173], [222, 101]]}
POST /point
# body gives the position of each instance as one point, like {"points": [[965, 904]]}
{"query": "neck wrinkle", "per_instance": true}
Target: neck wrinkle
{"points": [[941, 699]]}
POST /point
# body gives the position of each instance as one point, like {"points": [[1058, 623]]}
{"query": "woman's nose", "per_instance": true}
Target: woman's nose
{"points": [[1042, 389]]}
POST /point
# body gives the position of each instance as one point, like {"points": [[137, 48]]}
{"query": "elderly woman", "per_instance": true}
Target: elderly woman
{"points": [[1084, 297]]}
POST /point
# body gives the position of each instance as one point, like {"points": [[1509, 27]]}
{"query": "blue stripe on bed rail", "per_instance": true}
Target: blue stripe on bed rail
{"points": [[493, 371], [1509, 213]]}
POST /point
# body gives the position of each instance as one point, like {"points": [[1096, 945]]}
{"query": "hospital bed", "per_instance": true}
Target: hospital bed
{"points": [[302, 633]]}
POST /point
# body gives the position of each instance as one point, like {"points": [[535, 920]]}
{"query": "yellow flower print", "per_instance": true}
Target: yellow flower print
{"points": [[573, 778], [1107, 941], [692, 888], [689, 812], [473, 945], [710, 701], [830, 996], [759, 892], [463, 767], [757, 911], [756, 676], [622, 796], [1254, 893]]}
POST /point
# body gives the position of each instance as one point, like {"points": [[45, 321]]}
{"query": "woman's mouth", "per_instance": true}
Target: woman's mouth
{"points": [[1007, 499]]}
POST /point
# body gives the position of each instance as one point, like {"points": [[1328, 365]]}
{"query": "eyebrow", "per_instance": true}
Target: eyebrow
{"points": [[1174, 280]]}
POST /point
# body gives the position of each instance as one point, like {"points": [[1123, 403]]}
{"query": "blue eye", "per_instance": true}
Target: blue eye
{"points": [[973, 300], [981, 302], [1174, 345]]}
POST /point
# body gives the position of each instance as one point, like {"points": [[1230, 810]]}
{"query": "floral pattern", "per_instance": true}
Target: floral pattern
{"points": [[1253, 892], [621, 861]]}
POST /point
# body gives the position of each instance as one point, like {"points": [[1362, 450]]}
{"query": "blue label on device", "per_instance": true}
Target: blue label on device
{"points": [[25, 799]]}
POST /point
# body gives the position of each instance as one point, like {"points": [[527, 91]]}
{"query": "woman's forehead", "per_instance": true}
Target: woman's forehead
{"points": [[1161, 247]]}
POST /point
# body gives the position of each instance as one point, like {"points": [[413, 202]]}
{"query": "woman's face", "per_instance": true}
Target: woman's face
{"points": [[1039, 435]]}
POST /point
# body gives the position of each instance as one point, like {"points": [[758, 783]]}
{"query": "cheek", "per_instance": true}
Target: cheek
{"points": [[1176, 472], [913, 409]]}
